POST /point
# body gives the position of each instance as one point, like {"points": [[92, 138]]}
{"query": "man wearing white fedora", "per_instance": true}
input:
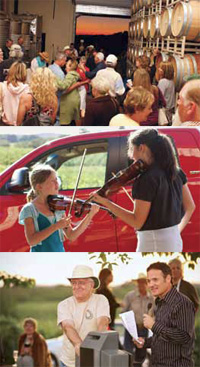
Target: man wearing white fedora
{"points": [[81, 313]]}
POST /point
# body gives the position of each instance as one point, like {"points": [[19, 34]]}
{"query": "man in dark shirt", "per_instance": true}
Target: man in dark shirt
{"points": [[100, 64], [181, 285], [173, 325], [6, 49]]}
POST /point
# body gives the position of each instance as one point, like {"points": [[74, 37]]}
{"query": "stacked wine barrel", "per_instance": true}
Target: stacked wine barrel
{"points": [[153, 22]]}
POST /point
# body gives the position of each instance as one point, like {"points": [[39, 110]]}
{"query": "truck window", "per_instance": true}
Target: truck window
{"points": [[66, 161]]}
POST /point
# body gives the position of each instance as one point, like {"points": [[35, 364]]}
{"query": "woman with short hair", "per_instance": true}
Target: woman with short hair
{"points": [[102, 107], [137, 106], [33, 351], [142, 78]]}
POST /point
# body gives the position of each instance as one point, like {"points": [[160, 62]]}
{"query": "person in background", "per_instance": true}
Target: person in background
{"points": [[106, 277], [84, 88], [20, 42], [12, 89], [1, 55], [182, 285], [81, 313], [90, 54], [68, 53], [173, 324], [74, 52], [70, 99], [81, 48], [56, 68], [142, 78], [189, 103], [40, 61], [33, 351], [114, 78], [15, 54], [6, 49], [137, 106], [100, 64], [41, 101], [167, 87], [139, 300], [102, 107]]}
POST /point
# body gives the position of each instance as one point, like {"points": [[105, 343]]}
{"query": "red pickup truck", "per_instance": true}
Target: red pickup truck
{"points": [[106, 153]]}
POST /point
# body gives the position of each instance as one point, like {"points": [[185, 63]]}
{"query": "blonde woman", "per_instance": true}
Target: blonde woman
{"points": [[41, 101], [11, 91], [137, 106], [142, 79]]}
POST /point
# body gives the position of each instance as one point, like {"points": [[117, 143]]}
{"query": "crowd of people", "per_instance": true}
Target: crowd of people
{"points": [[83, 87], [164, 305]]}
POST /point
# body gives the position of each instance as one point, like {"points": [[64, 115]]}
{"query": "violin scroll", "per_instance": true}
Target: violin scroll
{"points": [[122, 178]]}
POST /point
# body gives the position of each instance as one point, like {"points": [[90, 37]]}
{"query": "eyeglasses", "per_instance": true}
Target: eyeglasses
{"points": [[81, 283]]}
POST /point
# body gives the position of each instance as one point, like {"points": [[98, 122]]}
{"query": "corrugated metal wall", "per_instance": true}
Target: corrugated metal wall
{"points": [[110, 3]]}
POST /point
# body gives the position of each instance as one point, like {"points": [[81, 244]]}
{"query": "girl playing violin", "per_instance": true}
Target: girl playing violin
{"points": [[45, 230], [163, 204]]}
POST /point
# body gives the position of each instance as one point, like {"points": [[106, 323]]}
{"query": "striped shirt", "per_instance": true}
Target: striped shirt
{"points": [[173, 331]]}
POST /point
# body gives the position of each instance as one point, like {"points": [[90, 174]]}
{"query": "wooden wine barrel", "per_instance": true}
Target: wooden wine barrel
{"points": [[186, 20], [134, 7], [15, 27], [131, 30], [165, 22], [148, 3], [154, 25], [162, 56], [4, 31], [25, 28], [184, 67], [146, 27], [140, 28]]}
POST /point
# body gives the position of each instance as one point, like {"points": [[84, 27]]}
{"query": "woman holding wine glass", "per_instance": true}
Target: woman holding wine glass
{"points": [[33, 351]]}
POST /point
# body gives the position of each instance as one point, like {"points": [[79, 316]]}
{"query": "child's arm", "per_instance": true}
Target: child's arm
{"points": [[33, 237], [73, 233]]}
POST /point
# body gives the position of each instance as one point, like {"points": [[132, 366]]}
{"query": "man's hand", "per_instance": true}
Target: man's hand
{"points": [[148, 321], [139, 345]]}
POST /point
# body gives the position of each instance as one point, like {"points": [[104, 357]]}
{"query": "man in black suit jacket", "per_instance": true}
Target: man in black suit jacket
{"points": [[182, 285]]}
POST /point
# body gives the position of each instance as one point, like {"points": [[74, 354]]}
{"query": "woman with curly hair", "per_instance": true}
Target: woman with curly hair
{"points": [[41, 101], [11, 90]]}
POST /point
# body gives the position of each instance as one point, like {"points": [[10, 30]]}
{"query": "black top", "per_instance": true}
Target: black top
{"points": [[165, 197], [6, 52], [173, 331], [4, 67], [112, 303]]}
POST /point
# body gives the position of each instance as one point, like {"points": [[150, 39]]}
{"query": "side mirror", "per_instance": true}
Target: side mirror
{"points": [[19, 180]]}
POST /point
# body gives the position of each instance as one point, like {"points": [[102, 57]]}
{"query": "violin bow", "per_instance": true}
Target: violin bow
{"points": [[77, 181], [123, 188]]}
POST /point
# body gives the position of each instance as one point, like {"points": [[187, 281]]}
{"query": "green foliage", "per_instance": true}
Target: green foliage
{"points": [[10, 332], [109, 259], [10, 281]]}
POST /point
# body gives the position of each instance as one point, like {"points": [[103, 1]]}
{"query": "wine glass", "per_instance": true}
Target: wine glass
{"points": [[15, 357]]}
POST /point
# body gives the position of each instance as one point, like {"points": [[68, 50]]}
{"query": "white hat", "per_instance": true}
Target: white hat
{"points": [[111, 59], [16, 51], [140, 277], [82, 272], [100, 56], [90, 46], [66, 48]]}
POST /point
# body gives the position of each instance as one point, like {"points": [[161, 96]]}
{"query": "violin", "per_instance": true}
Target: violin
{"points": [[123, 177], [59, 202]]}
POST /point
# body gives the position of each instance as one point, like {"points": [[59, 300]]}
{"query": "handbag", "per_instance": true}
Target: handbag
{"points": [[33, 121], [162, 118]]}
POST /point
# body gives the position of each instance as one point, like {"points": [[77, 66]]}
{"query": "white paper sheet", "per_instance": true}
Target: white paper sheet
{"points": [[128, 320]]}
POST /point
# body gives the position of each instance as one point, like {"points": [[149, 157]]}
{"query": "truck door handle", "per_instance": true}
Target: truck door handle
{"points": [[194, 172]]}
